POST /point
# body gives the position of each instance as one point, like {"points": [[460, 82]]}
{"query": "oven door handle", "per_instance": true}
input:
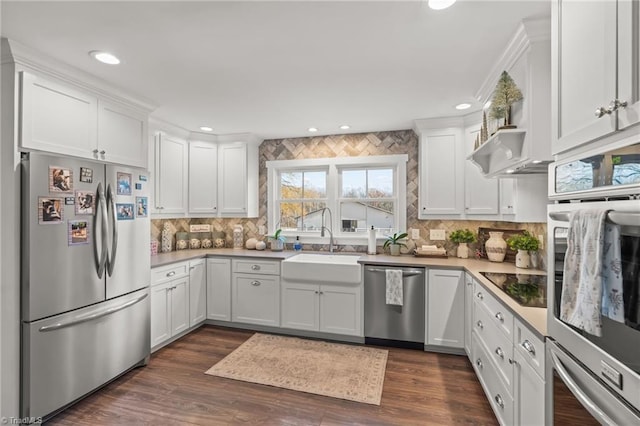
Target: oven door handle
{"points": [[617, 218], [579, 394]]}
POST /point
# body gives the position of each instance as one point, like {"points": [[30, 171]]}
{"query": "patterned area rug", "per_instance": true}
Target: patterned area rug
{"points": [[351, 372]]}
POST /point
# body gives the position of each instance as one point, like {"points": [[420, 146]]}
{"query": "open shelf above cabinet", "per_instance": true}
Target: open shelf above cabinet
{"points": [[505, 144]]}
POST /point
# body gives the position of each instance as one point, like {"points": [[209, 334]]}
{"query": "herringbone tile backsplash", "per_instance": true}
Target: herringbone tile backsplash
{"points": [[351, 145]]}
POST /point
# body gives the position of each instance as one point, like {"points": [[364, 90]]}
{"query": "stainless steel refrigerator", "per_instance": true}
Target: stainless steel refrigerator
{"points": [[85, 278]]}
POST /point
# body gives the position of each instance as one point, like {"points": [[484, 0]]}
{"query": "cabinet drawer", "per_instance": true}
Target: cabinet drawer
{"points": [[498, 344], [265, 267], [500, 315], [530, 347], [500, 399], [169, 272]]}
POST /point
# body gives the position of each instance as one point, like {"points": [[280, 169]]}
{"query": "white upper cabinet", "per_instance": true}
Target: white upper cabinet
{"points": [[481, 193], [524, 199], [238, 179], [170, 175], [59, 118], [203, 178], [595, 63], [441, 172]]}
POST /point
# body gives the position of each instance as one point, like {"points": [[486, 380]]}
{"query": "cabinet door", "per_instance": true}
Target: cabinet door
{"points": [[628, 63], [122, 135], [340, 310], [445, 308], [507, 196], [197, 292], [57, 118], [529, 394], [160, 313], [441, 172], [179, 305], [219, 289], [468, 314], [203, 177], [300, 306], [256, 299], [481, 193], [583, 71], [232, 172], [171, 177]]}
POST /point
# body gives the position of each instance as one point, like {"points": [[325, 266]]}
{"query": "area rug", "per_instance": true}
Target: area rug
{"points": [[351, 372]]}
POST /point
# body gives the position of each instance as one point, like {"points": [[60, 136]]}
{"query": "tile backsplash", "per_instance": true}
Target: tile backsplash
{"points": [[361, 144]]}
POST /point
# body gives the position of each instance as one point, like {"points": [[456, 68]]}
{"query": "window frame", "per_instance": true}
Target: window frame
{"points": [[397, 162]]}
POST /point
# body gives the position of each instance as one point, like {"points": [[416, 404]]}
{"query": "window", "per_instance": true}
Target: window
{"points": [[359, 192]]}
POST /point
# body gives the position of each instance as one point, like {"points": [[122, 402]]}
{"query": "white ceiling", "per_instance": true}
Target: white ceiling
{"points": [[276, 68]]}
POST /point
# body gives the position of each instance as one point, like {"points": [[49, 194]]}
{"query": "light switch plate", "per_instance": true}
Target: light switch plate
{"points": [[437, 235], [415, 234]]}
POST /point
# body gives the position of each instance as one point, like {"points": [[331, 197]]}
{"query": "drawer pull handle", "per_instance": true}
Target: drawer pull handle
{"points": [[255, 267], [480, 296], [255, 283], [528, 346], [480, 325], [500, 352], [479, 363], [500, 317], [513, 361], [170, 274], [499, 401], [469, 283]]}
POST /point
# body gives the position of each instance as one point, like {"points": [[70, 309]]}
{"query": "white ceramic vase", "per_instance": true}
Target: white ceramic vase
{"points": [[523, 260], [496, 247], [395, 249], [463, 251], [276, 245], [166, 238]]}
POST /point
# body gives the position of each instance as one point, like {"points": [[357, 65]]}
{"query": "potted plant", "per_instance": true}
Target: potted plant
{"points": [[276, 241], [462, 237], [394, 242], [524, 243]]}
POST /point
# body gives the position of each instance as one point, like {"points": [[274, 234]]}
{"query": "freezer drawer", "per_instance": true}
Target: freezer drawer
{"points": [[67, 356]]}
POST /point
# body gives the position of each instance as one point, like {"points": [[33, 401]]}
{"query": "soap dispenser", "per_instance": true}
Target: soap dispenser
{"points": [[297, 246]]}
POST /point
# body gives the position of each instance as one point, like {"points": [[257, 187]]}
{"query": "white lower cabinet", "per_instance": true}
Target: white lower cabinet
{"points": [[509, 361], [219, 289], [326, 308], [169, 309], [445, 308], [468, 313], [197, 291], [256, 296]]}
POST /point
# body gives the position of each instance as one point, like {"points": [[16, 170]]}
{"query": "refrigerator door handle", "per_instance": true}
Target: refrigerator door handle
{"points": [[579, 394], [93, 316], [111, 207], [101, 209]]}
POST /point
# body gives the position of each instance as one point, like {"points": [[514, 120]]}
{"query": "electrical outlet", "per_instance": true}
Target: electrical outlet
{"points": [[262, 230], [437, 235], [415, 234]]}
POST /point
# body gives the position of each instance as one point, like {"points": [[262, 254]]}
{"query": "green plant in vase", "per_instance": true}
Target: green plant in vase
{"points": [[462, 237], [276, 241], [394, 242], [525, 244]]}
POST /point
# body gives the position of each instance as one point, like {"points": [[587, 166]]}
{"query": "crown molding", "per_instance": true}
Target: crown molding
{"points": [[157, 125], [33, 60], [422, 124]]}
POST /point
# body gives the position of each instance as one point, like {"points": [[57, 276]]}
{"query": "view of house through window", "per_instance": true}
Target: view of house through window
{"points": [[303, 195], [367, 199]]}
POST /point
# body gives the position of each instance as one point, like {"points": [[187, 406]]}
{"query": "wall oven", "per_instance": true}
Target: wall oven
{"points": [[595, 379]]}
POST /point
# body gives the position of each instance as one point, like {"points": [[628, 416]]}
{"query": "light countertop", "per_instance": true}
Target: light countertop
{"points": [[535, 318]]}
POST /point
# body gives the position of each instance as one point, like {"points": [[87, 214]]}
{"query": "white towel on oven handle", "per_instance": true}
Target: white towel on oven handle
{"points": [[612, 284], [394, 293]]}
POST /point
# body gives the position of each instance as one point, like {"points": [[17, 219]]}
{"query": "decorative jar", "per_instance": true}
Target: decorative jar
{"points": [[166, 238], [207, 240], [194, 240], [463, 251], [238, 237], [523, 259], [496, 247], [182, 240]]}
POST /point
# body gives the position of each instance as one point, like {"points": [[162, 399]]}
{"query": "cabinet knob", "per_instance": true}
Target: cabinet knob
{"points": [[500, 317], [528, 347], [480, 325], [170, 274], [499, 401], [255, 283], [469, 283], [615, 105], [513, 361], [500, 352], [255, 267], [480, 296], [95, 151], [103, 152], [479, 363]]}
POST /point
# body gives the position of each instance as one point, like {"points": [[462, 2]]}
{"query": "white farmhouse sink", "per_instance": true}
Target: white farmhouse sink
{"points": [[329, 268]]}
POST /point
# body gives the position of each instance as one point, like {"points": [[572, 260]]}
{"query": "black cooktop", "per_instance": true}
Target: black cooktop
{"points": [[526, 289]]}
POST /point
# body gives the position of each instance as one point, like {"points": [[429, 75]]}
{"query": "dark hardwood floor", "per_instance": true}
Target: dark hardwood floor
{"points": [[420, 388]]}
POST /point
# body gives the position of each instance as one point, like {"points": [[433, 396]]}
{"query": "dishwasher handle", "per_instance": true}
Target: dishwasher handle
{"points": [[408, 273]]}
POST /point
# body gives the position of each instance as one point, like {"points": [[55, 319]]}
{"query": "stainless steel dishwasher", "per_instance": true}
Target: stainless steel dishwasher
{"points": [[392, 324]]}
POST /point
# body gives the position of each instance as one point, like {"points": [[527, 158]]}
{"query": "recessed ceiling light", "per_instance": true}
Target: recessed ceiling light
{"points": [[463, 106], [312, 129], [510, 171], [206, 128], [440, 4], [104, 57], [345, 127], [487, 104], [537, 161]]}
